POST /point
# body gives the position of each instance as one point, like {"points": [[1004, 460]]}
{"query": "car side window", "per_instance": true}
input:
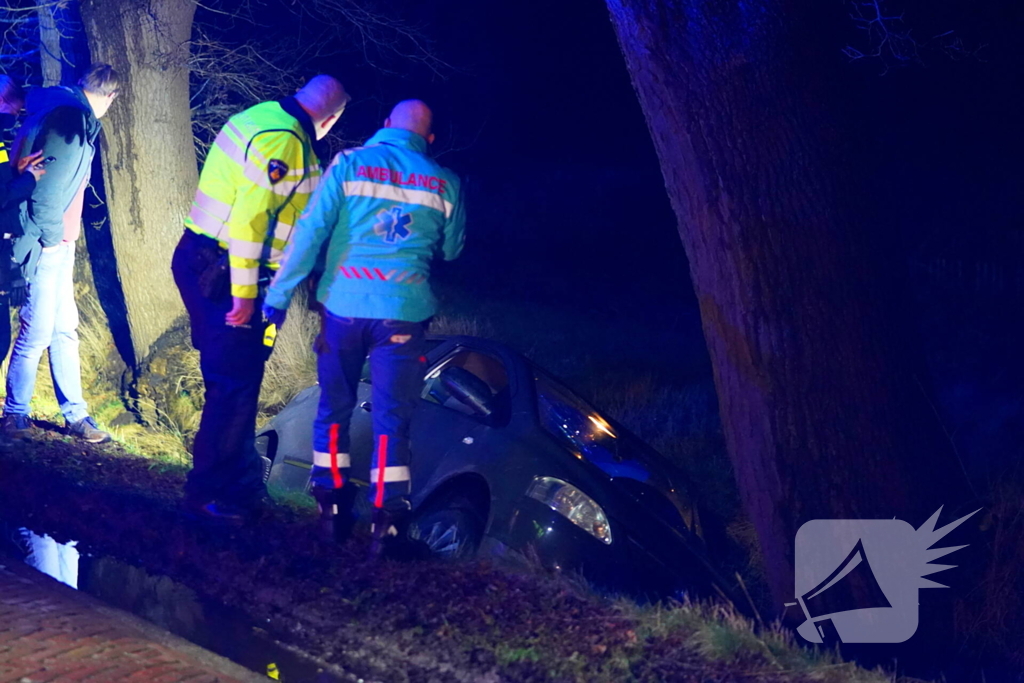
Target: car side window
{"points": [[469, 382], [428, 346]]}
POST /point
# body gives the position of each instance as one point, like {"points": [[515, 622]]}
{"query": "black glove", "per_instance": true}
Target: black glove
{"points": [[274, 316], [18, 291], [320, 343]]}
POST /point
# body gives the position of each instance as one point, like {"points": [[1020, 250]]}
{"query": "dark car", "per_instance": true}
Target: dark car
{"points": [[506, 457]]}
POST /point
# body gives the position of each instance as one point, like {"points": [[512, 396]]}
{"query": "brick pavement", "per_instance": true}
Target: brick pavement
{"points": [[52, 633]]}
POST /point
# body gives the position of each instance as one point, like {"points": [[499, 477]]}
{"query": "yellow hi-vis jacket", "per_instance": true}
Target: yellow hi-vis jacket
{"points": [[259, 173]]}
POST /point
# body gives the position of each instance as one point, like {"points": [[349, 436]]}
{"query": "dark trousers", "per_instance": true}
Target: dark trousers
{"points": [[5, 326], [5, 300], [225, 465], [395, 349]]}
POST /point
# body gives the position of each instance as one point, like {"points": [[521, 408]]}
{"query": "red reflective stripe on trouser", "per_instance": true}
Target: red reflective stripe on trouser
{"points": [[335, 472], [382, 463]]}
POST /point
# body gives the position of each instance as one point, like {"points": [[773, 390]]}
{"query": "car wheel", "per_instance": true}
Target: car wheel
{"points": [[266, 447], [451, 530]]}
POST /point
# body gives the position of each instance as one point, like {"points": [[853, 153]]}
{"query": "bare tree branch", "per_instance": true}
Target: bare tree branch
{"points": [[228, 75], [891, 42], [380, 35], [226, 79]]}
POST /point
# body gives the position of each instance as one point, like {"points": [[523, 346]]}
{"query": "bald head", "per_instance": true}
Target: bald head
{"points": [[414, 116], [324, 99]]}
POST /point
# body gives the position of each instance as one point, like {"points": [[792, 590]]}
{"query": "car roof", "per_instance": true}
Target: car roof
{"points": [[475, 342]]}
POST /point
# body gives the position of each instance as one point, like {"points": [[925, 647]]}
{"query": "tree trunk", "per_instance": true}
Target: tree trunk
{"points": [[822, 417], [149, 165], [51, 56], [63, 52]]}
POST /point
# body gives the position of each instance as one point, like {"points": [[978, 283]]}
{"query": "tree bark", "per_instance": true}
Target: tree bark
{"points": [[63, 51], [149, 165], [51, 56], [823, 418]]}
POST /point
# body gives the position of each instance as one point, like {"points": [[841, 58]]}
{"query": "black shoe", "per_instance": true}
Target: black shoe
{"points": [[258, 510], [17, 426], [87, 430], [337, 512], [390, 528], [214, 511], [402, 548], [254, 506]]}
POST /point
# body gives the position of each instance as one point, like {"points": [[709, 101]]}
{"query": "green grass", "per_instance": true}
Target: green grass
{"points": [[719, 634], [298, 502], [507, 655]]}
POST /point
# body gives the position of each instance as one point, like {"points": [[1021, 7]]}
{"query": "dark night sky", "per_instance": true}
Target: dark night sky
{"points": [[538, 114], [540, 85], [562, 173], [530, 79]]}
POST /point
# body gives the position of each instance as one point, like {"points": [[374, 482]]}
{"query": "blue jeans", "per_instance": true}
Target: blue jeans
{"points": [[395, 349], [49, 320]]}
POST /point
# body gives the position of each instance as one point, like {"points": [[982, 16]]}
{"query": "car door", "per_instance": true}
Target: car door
{"points": [[447, 426], [440, 424]]}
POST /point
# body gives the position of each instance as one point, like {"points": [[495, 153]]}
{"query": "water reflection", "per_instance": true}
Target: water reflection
{"points": [[58, 560], [162, 601]]}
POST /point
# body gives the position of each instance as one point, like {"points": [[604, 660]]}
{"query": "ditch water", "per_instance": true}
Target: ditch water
{"points": [[165, 603]]}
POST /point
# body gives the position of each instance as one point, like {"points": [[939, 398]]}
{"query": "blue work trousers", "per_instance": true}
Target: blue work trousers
{"points": [[395, 349]]}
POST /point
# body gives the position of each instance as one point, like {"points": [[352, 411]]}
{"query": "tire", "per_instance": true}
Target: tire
{"points": [[451, 529], [266, 448]]}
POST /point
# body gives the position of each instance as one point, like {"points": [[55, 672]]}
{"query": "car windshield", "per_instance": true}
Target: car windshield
{"points": [[574, 422], [580, 428]]}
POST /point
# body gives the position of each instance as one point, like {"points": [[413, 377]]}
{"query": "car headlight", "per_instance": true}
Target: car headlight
{"points": [[573, 504]]}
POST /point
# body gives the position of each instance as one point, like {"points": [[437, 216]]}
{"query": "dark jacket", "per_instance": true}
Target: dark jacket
{"points": [[60, 123], [15, 188]]}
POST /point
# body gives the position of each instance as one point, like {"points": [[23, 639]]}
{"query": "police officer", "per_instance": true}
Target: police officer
{"points": [[384, 210], [16, 187], [256, 181]]}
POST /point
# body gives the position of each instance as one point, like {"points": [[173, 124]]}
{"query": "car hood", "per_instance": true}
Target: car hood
{"points": [[634, 466]]}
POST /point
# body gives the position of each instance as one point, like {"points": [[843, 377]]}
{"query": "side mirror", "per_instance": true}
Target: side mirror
{"points": [[468, 389]]}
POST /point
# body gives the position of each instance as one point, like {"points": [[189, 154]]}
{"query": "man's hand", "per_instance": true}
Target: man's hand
{"points": [[320, 343], [30, 160], [19, 292], [241, 311], [37, 171], [274, 316]]}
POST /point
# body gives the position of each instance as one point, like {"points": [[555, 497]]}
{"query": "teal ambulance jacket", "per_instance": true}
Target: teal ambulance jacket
{"points": [[385, 210]]}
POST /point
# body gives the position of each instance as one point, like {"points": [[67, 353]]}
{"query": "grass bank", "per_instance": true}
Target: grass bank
{"points": [[470, 621]]}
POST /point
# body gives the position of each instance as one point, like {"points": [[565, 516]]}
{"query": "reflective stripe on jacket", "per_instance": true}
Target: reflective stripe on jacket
{"points": [[385, 210], [262, 164]]}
